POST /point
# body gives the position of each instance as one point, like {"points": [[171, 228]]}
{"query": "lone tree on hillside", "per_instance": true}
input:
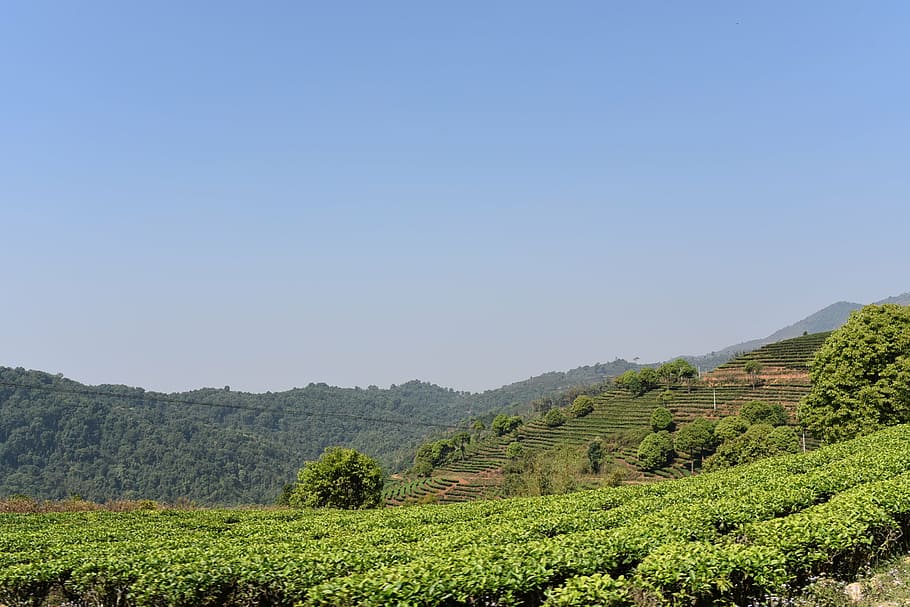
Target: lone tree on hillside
{"points": [[661, 419], [752, 369], [655, 450], [696, 438], [861, 376], [677, 370], [583, 405], [341, 478]]}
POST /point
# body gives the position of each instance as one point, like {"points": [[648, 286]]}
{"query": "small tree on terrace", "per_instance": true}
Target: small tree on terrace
{"points": [[757, 412], [503, 424], [583, 405], [460, 440], [554, 418], [661, 419], [595, 454], [753, 368], [696, 438], [655, 451], [648, 378]]}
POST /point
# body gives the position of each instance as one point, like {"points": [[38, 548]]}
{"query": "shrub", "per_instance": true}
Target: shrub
{"points": [[514, 450], [656, 450], [503, 424], [757, 412], [554, 418], [730, 427], [583, 405], [341, 478], [661, 419]]}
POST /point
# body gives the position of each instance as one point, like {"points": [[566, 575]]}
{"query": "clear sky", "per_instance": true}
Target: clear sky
{"points": [[265, 194]]}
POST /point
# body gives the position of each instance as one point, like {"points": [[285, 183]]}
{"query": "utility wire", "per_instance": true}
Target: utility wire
{"points": [[181, 401]]}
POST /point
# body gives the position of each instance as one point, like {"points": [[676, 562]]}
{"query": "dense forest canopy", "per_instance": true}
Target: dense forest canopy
{"points": [[57, 441]]}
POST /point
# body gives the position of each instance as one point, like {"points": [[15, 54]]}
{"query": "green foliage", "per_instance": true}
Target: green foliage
{"points": [[753, 368], [744, 536], [648, 379], [284, 498], [586, 590], [759, 441], [730, 427], [656, 450], [676, 371], [757, 412], [696, 437], [596, 455], [661, 419], [554, 418], [582, 406], [514, 450], [435, 453], [861, 376], [551, 472], [341, 478], [503, 424], [631, 382]]}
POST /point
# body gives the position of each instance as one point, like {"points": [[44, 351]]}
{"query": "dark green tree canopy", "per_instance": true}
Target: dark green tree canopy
{"points": [[341, 478], [661, 419], [583, 405], [730, 427], [554, 418], [861, 376], [757, 412], [695, 437], [503, 424], [656, 450], [759, 441]]}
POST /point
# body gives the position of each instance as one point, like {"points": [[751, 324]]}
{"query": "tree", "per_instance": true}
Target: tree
{"points": [[674, 371], [595, 454], [582, 406], [630, 381], [648, 379], [695, 438], [759, 441], [753, 368], [514, 450], [661, 419], [861, 376], [656, 450], [340, 478], [460, 440], [757, 412], [730, 427], [503, 424], [554, 418], [432, 454]]}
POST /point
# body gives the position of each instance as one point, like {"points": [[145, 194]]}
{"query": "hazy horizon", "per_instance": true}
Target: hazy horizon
{"points": [[264, 197]]}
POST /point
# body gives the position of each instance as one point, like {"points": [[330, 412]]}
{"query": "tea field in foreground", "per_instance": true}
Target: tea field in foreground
{"points": [[755, 531]]}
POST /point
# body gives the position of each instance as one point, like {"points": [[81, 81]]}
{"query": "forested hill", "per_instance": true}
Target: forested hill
{"points": [[57, 440]]}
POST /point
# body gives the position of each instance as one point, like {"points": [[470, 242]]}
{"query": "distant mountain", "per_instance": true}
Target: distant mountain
{"points": [[826, 319], [903, 299]]}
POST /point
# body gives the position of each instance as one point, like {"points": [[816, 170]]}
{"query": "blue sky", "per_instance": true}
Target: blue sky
{"points": [[266, 195]]}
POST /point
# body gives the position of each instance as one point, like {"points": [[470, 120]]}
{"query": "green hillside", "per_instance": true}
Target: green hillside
{"points": [[738, 536], [59, 437], [618, 416]]}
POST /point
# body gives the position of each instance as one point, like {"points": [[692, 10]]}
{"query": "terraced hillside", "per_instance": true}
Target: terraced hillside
{"points": [[619, 417]]}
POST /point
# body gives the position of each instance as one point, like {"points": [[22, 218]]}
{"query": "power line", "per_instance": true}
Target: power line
{"points": [[182, 401]]}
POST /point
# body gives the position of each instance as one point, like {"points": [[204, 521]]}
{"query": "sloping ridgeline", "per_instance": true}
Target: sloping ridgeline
{"points": [[56, 442]]}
